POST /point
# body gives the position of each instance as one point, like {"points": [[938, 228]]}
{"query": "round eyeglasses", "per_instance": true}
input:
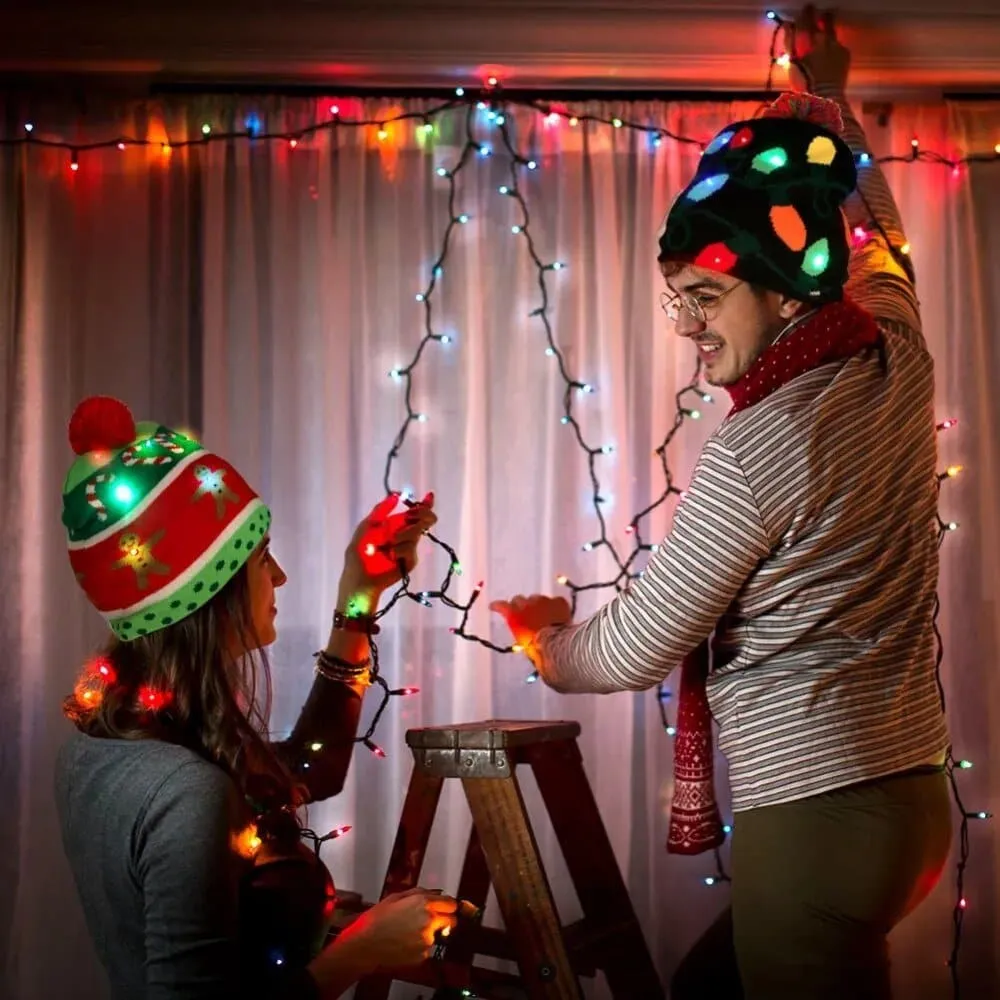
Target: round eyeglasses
{"points": [[700, 307]]}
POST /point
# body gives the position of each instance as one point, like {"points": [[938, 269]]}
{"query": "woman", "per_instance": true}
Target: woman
{"points": [[178, 816]]}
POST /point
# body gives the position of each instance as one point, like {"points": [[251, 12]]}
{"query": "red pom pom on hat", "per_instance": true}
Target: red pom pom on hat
{"points": [[101, 423], [808, 108]]}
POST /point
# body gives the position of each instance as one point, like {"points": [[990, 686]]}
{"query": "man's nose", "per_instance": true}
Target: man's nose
{"points": [[686, 325]]}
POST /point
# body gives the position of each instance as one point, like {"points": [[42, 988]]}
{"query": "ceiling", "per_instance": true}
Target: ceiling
{"points": [[908, 46]]}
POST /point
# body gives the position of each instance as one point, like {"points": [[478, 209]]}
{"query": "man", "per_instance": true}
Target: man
{"points": [[807, 542]]}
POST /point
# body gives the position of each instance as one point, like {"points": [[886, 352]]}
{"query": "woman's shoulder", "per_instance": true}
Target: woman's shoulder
{"points": [[119, 770]]}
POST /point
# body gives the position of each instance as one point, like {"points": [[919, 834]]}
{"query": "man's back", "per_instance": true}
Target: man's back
{"points": [[824, 668]]}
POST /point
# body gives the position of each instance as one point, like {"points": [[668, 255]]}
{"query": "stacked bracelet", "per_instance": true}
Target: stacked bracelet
{"points": [[333, 668]]}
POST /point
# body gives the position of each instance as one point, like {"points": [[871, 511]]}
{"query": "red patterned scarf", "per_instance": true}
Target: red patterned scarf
{"points": [[832, 333]]}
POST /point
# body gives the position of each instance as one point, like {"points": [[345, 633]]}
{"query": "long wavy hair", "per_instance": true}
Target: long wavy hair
{"points": [[203, 682]]}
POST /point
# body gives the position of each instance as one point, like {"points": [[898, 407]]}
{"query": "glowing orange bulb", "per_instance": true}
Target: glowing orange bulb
{"points": [[905, 248], [784, 60], [492, 81], [165, 149], [382, 135], [370, 549], [293, 143], [562, 580], [121, 145], [996, 149], [574, 121], [953, 470], [246, 843]]}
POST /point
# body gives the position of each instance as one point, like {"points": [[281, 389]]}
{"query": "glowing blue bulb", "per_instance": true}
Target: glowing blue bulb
{"points": [[531, 678], [707, 187], [396, 374], [29, 127], [864, 158], [564, 420], [485, 149], [500, 119], [727, 829], [460, 91], [549, 352], [558, 265], [515, 229], [607, 449], [709, 880], [719, 141], [252, 124], [438, 271], [503, 189], [491, 115], [463, 218], [532, 165], [445, 339], [671, 730], [422, 418], [442, 172], [420, 296], [588, 546], [772, 16], [586, 387]]}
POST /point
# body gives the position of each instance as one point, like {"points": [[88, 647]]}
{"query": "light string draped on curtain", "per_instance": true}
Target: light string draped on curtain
{"points": [[260, 294]]}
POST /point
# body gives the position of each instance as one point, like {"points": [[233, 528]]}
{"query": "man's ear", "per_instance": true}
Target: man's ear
{"points": [[789, 307]]}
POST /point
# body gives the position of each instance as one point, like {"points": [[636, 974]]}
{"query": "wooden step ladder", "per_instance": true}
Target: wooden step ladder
{"points": [[502, 851]]}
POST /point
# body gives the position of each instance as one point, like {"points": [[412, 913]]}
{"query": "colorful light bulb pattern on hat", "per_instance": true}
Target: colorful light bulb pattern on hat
{"points": [[157, 524], [764, 205]]}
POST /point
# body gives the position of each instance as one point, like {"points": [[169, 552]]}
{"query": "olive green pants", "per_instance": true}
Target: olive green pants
{"points": [[817, 886]]}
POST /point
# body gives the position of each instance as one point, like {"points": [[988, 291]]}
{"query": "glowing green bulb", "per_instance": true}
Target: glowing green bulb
{"points": [[124, 493], [817, 258], [770, 159]]}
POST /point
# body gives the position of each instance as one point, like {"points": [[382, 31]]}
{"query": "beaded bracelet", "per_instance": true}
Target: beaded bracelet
{"points": [[365, 624]]}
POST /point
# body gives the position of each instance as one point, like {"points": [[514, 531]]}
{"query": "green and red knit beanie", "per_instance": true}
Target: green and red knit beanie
{"points": [[765, 202], [157, 525]]}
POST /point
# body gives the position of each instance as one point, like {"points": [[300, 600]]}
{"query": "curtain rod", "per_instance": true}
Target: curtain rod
{"points": [[448, 93]]}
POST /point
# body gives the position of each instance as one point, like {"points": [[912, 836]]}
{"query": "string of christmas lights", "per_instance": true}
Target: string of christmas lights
{"points": [[496, 104]]}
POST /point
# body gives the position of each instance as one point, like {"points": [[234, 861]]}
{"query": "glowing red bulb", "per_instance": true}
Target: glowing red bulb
{"points": [[153, 700]]}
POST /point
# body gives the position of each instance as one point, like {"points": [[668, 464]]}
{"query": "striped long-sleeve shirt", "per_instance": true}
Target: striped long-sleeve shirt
{"points": [[807, 540]]}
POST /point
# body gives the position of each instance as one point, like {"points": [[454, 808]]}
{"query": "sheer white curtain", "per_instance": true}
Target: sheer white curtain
{"points": [[261, 293]]}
